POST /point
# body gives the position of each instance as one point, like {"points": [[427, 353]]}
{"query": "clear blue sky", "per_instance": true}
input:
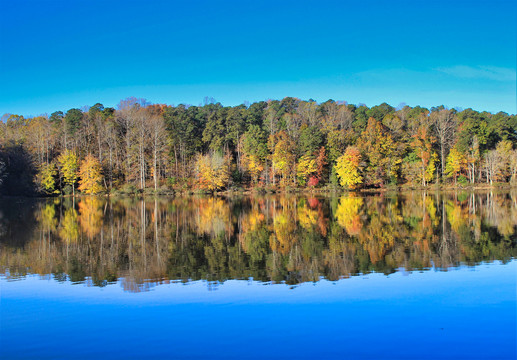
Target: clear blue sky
{"points": [[56, 55]]}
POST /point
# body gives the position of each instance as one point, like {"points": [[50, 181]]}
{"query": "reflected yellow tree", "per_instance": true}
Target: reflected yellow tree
{"points": [[348, 214], [69, 229], [91, 216]]}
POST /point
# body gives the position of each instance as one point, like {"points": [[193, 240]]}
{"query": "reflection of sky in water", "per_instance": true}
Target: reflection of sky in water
{"points": [[469, 312]]}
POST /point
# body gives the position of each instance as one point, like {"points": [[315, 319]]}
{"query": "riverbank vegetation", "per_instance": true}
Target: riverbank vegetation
{"points": [[269, 145]]}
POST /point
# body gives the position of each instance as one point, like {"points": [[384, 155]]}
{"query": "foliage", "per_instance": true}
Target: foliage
{"points": [[378, 147], [305, 168], [348, 168], [269, 144], [69, 165], [348, 214], [90, 174], [212, 171], [283, 158], [47, 178], [422, 145], [456, 163]]}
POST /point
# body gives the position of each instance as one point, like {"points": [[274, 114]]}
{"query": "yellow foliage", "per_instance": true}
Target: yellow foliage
{"points": [[69, 231], [212, 171], [91, 177], [47, 178], [307, 217], [213, 216], [456, 162], [47, 217], [347, 168], [283, 157], [306, 167], [91, 215], [69, 164], [348, 214], [284, 236]]}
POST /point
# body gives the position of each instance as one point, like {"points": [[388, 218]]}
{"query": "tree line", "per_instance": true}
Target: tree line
{"points": [[276, 144]]}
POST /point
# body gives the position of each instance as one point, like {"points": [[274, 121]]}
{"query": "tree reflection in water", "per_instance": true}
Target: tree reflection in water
{"points": [[290, 239]]}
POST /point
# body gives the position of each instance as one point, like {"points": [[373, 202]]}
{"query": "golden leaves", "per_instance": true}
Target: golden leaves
{"points": [[347, 168], [212, 171], [348, 214], [91, 177]]}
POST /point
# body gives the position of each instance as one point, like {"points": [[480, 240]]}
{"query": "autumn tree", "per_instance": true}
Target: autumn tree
{"points": [[90, 175], [513, 166], [321, 163], [283, 158], [380, 152], [456, 162], [47, 178], [305, 168], [348, 168], [69, 165], [422, 145], [212, 171]]}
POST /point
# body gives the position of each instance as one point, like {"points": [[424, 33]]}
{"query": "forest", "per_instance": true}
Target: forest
{"points": [[274, 145]]}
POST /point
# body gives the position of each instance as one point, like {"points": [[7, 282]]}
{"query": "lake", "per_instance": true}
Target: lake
{"points": [[417, 275]]}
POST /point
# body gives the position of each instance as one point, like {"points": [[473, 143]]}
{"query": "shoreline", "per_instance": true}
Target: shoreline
{"points": [[293, 191]]}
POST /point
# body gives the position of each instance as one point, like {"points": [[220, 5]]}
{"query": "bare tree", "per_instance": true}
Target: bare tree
{"points": [[336, 116], [141, 135], [308, 111], [444, 124], [158, 143]]}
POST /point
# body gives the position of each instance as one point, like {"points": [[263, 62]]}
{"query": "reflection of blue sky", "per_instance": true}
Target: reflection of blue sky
{"points": [[467, 313]]}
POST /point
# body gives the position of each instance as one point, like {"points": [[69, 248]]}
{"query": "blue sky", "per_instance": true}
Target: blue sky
{"points": [[55, 55]]}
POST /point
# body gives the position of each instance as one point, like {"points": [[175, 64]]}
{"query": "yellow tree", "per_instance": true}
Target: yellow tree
{"points": [[305, 168], [347, 168], [47, 178], [212, 171], [69, 165], [283, 158], [456, 162], [253, 165], [91, 177]]}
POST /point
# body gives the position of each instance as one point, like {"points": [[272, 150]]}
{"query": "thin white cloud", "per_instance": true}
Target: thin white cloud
{"points": [[480, 72]]}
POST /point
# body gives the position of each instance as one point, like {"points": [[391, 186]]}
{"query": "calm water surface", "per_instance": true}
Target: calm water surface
{"points": [[412, 276]]}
